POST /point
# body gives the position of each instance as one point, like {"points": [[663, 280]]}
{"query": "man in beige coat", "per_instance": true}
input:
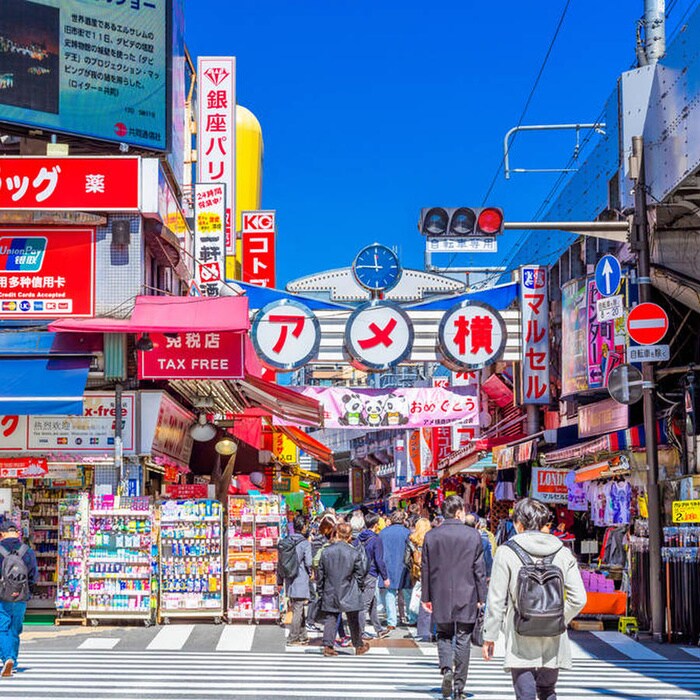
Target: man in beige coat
{"points": [[533, 662]]}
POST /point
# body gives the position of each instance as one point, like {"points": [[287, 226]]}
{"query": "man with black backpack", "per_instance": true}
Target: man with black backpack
{"points": [[536, 589], [294, 568], [18, 574]]}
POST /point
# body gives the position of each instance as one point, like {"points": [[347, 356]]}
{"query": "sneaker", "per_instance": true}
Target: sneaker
{"points": [[367, 635], [383, 633], [329, 651], [298, 643], [362, 650], [459, 695], [7, 668], [312, 627], [447, 684], [344, 642]]}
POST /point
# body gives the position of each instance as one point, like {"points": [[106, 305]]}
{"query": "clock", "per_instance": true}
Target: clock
{"points": [[377, 268]]}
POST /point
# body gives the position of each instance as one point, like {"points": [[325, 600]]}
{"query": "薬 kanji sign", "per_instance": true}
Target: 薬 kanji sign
{"points": [[286, 335], [471, 335], [209, 237], [534, 305], [378, 335], [193, 355], [217, 131], [93, 184]]}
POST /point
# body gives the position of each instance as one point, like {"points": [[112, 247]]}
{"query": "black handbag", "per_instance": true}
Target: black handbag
{"points": [[478, 631]]}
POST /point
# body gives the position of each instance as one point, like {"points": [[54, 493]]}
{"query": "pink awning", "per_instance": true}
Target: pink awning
{"points": [[153, 314]]}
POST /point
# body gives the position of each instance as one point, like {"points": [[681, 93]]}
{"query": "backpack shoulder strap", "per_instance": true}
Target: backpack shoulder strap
{"points": [[524, 557], [548, 560], [4, 552], [22, 550]]}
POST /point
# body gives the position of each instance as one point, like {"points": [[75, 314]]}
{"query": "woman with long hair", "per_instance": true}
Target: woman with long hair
{"points": [[414, 557]]}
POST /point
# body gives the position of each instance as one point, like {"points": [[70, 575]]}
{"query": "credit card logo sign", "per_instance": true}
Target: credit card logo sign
{"points": [[22, 253], [9, 306]]}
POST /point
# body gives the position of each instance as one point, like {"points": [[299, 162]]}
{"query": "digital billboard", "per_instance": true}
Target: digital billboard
{"points": [[92, 68]]}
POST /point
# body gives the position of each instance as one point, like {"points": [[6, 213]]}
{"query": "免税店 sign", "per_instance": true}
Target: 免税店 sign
{"points": [[193, 355]]}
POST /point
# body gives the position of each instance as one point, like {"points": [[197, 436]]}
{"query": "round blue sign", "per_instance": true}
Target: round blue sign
{"points": [[608, 275]]}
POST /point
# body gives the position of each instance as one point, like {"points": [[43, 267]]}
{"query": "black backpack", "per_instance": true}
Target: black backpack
{"points": [[14, 575], [539, 606], [288, 559]]}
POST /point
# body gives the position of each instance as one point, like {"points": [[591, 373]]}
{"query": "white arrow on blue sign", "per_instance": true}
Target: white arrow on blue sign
{"points": [[608, 275]]}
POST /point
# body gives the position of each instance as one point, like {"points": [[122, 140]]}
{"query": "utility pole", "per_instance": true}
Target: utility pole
{"points": [[640, 244]]}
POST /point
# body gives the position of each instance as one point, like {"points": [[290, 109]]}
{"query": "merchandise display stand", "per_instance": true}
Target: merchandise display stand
{"points": [[120, 559], [191, 580], [71, 595], [269, 523], [240, 559]]}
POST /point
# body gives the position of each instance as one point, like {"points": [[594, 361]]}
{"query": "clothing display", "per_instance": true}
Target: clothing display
{"points": [[576, 493]]}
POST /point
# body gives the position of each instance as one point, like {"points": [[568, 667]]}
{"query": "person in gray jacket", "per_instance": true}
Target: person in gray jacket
{"points": [[533, 662], [298, 587]]}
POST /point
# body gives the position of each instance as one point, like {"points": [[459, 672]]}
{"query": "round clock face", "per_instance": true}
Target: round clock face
{"points": [[377, 268]]}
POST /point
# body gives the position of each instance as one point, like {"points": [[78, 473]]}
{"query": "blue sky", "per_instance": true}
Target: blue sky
{"points": [[372, 109]]}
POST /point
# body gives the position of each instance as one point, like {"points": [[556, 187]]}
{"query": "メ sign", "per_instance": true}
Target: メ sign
{"points": [[625, 384], [608, 275], [647, 323]]}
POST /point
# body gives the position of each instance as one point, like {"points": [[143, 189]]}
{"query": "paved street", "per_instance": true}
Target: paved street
{"points": [[182, 661]]}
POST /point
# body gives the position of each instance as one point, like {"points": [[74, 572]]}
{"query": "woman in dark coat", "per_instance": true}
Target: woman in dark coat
{"points": [[341, 571]]}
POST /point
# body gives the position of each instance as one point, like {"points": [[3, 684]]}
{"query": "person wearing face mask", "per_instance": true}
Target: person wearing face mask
{"points": [[453, 580]]}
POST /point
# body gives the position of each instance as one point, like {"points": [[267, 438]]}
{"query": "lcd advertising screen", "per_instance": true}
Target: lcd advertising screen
{"points": [[87, 67]]}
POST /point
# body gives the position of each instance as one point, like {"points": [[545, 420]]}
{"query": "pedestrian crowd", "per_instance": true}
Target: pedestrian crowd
{"points": [[447, 576]]}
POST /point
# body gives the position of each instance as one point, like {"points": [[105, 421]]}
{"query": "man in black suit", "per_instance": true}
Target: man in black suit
{"points": [[453, 579]]}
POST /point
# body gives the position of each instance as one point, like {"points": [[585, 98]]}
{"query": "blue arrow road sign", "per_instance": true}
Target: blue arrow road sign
{"points": [[608, 275]]}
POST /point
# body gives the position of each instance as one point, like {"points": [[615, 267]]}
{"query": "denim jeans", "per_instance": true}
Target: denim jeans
{"points": [[535, 683], [390, 606], [11, 618]]}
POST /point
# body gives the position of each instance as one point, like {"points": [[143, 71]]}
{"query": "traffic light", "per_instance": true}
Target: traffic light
{"points": [[437, 222]]}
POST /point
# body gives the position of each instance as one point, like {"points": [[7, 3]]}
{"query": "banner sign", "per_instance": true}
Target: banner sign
{"points": [[534, 304], [602, 417], [350, 407], [606, 340], [193, 355], [209, 237], [91, 432], [93, 69], [172, 441], [186, 491], [46, 272], [284, 449], [44, 183], [258, 248], [217, 132], [549, 485], [23, 468], [574, 365], [686, 511]]}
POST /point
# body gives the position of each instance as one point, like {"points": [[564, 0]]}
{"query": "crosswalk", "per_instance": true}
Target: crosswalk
{"points": [[166, 674], [585, 646]]}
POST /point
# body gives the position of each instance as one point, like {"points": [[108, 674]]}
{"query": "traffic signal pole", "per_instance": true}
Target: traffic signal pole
{"points": [[640, 244]]}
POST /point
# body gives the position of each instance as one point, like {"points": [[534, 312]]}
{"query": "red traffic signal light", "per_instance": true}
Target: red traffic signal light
{"points": [[460, 222]]}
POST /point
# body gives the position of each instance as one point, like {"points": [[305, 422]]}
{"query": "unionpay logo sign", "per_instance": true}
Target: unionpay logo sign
{"points": [[20, 254]]}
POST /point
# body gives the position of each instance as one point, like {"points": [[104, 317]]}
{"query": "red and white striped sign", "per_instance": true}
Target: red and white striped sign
{"points": [[647, 323]]}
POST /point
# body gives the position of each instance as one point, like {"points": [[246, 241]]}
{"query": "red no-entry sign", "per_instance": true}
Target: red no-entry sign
{"points": [[647, 323]]}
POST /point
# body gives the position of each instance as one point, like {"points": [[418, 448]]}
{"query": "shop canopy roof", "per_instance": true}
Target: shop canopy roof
{"points": [[168, 315], [308, 444]]}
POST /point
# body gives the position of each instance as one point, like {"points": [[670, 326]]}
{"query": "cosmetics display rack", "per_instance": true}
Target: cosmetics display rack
{"points": [[120, 560], [191, 579]]}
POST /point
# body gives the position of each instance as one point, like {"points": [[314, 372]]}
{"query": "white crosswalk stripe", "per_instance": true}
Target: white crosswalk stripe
{"points": [[161, 675]]}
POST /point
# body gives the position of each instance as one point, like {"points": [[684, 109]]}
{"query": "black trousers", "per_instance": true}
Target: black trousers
{"points": [[535, 683], [454, 647], [330, 626]]}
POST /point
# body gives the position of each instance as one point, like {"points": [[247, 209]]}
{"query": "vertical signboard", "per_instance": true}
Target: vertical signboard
{"points": [[534, 309], [258, 242], [463, 434], [573, 338], [209, 237], [605, 341], [216, 145]]}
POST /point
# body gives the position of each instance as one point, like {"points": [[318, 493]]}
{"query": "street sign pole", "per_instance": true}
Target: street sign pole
{"points": [[640, 243]]}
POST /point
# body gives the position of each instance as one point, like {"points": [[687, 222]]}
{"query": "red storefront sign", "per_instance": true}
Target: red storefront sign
{"points": [[258, 266], [193, 355], [46, 272], [94, 184], [23, 468], [186, 490]]}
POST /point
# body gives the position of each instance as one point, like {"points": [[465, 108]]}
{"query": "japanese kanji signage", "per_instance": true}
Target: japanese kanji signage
{"points": [[98, 69], [606, 339], [471, 336], [463, 435], [378, 335], [284, 449], [193, 355], [534, 305], [47, 272], [286, 335], [258, 232], [217, 132], [95, 184], [403, 408], [209, 237], [23, 468]]}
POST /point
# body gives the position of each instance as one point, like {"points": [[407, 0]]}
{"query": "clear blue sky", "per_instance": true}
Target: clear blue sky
{"points": [[372, 109]]}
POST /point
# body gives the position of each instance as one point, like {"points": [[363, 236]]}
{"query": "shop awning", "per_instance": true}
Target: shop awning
{"points": [[43, 374], [308, 444], [168, 315], [410, 492]]}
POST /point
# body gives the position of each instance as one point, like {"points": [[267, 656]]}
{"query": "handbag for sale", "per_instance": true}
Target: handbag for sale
{"points": [[478, 631]]}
